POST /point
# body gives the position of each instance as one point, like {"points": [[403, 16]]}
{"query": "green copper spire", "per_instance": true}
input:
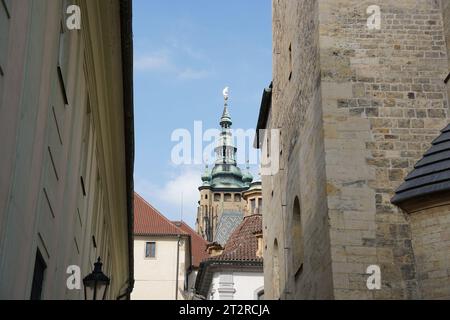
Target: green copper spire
{"points": [[225, 174], [225, 120], [247, 178], [206, 176]]}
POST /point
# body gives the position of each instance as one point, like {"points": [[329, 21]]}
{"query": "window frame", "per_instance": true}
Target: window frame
{"points": [[298, 252], [145, 250]]}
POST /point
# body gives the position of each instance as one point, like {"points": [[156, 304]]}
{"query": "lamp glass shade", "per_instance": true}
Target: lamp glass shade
{"points": [[96, 284]]}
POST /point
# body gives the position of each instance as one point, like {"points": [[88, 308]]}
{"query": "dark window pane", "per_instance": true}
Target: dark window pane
{"points": [[150, 249], [153, 249]]}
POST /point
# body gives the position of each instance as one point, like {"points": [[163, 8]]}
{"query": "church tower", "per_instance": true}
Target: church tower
{"points": [[222, 205]]}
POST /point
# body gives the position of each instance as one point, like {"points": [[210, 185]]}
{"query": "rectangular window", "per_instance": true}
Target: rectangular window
{"points": [[150, 249], [38, 277], [252, 205]]}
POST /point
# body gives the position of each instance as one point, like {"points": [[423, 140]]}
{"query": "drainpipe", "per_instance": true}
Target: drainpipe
{"points": [[178, 267]]}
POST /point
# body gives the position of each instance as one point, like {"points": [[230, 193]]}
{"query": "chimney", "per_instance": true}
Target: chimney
{"points": [[214, 249]]}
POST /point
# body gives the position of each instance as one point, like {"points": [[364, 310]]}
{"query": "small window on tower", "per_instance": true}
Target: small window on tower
{"points": [[290, 62], [227, 197], [252, 205], [217, 197], [237, 197]]}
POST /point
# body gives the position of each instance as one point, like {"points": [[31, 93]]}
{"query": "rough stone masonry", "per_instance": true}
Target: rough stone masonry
{"points": [[357, 108]]}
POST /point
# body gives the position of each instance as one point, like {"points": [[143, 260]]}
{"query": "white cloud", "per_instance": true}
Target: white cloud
{"points": [[163, 61], [186, 183], [191, 74], [153, 61]]}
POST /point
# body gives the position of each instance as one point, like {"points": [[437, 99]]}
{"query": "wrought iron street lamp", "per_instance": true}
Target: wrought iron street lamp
{"points": [[96, 284]]}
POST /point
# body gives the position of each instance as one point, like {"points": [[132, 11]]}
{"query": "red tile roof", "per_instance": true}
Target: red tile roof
{"points": [[149, 221], [198, 244], [243, 243]]}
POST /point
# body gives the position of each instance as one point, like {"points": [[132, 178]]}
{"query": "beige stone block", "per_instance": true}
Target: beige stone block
{"points": [[334, 90]]}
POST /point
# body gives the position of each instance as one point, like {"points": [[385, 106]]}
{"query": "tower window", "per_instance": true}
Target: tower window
{"points": [[275, 271], [252, 205], [290, 62], [217, 197], [297, 238], [237, 197], [227, 197]]}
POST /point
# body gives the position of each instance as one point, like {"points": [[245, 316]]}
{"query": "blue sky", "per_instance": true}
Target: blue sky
{"points": [[186, 52]]}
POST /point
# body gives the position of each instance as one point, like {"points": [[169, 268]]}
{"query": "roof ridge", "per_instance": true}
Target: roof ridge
{"points": [[190, 228], [161, 215]]}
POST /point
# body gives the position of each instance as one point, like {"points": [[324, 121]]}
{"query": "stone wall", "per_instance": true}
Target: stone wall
{"points": [[297, 114], [357, 108], [384, 102], [431, 243], [446, 19]]}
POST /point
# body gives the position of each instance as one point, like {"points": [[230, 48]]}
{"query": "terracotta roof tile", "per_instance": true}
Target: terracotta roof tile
{"points": [[243, 243], [198, 244], [149, 221]]}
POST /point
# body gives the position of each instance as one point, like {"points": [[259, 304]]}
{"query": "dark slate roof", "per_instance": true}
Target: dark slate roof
{"points": [[239, 253], [228, 222], [431, 175], [266, 104]]}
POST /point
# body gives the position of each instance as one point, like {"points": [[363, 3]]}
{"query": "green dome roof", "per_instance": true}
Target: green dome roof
{"points": [[247, 177], [226, 176], [206, 177]]}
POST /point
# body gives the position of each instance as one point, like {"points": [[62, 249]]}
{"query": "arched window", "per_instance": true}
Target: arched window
{"points": [[237, 197], [217, 197], [276, 271], [297, 238], [227, 197]]}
